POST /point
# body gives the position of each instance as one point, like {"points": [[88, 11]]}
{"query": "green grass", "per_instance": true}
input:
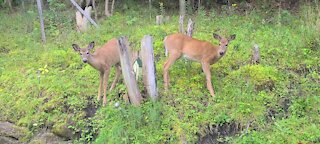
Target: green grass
{"points": [[64, 86]]}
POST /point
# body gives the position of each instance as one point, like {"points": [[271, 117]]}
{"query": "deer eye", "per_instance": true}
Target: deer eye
{"points": [[226, 44], [87, 53]]}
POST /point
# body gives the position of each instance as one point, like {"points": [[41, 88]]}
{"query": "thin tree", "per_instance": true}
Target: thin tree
{"points": [[95, 9], [43, 35], [106, 9], [9, 4], [112, 6], [182, 6]]}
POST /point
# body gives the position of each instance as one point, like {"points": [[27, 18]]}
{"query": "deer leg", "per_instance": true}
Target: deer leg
{"points": [[105, 85], [206, 70], [118, 72], [100, 86], [172, 58]]}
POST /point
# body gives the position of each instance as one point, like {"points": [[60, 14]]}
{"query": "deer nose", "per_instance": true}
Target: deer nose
{"points": [[85, 61], [221, 53]]}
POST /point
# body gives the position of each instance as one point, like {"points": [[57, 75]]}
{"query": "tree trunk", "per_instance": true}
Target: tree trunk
{"points": [[43, 35], [127, 72], [181, 28], [190, 28], [150, 8], [182, 6], [23, 5], [148, 67], [112, 6], [106, 9], [79, 21], [95, 9], [9, 4], [85, 25]]}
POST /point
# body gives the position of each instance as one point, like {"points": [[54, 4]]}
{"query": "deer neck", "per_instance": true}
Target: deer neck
{"points": [[92, 60]]}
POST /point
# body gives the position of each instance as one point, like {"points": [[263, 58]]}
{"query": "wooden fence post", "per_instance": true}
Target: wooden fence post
{"points": [[255, 59], [82, 21], [148, 67], [127, 72], [159, 19], [190, 28]]}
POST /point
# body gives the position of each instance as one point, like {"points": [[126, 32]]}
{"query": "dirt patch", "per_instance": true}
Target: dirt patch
{"points": [[4, 50], [217, 134]]}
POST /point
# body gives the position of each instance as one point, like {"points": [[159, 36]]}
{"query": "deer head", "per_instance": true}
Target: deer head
{"points": [[223, 44], [84, 52]]}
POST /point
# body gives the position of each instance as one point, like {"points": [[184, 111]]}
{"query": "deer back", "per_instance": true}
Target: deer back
{"points": [[191, 48]]}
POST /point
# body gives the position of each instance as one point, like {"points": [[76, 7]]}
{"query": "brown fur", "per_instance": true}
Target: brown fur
{"points": [[102, 60], [197, 50]]}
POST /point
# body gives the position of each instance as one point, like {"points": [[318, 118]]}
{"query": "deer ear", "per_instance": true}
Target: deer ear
{"points": [[216, 36], [91, 45], [232, 37], [75, 47]]}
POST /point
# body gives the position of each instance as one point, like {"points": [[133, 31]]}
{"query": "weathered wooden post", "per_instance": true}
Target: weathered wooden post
{"points": [[82, 21], [190, 28], [255, 59], [148, 67], [181, 29], [127, 72], [159, 19], [84, 13]]}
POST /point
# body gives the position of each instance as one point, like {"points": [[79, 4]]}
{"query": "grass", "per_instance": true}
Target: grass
{"points": [[46, 85]]}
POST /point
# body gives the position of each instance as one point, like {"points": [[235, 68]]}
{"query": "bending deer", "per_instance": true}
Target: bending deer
{"points": [[102, 60], [196, 50]]}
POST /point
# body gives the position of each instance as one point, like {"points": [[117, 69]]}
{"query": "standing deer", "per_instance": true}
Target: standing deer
{"points": [[196, 50], [102, 60]]}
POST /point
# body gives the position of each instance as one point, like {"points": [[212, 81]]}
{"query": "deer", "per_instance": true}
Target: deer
{"points": [[102, 60], [178, 45]]}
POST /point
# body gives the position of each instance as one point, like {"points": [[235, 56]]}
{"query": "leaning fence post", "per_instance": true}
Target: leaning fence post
{"points": [[148, 67], [127, 72]]}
